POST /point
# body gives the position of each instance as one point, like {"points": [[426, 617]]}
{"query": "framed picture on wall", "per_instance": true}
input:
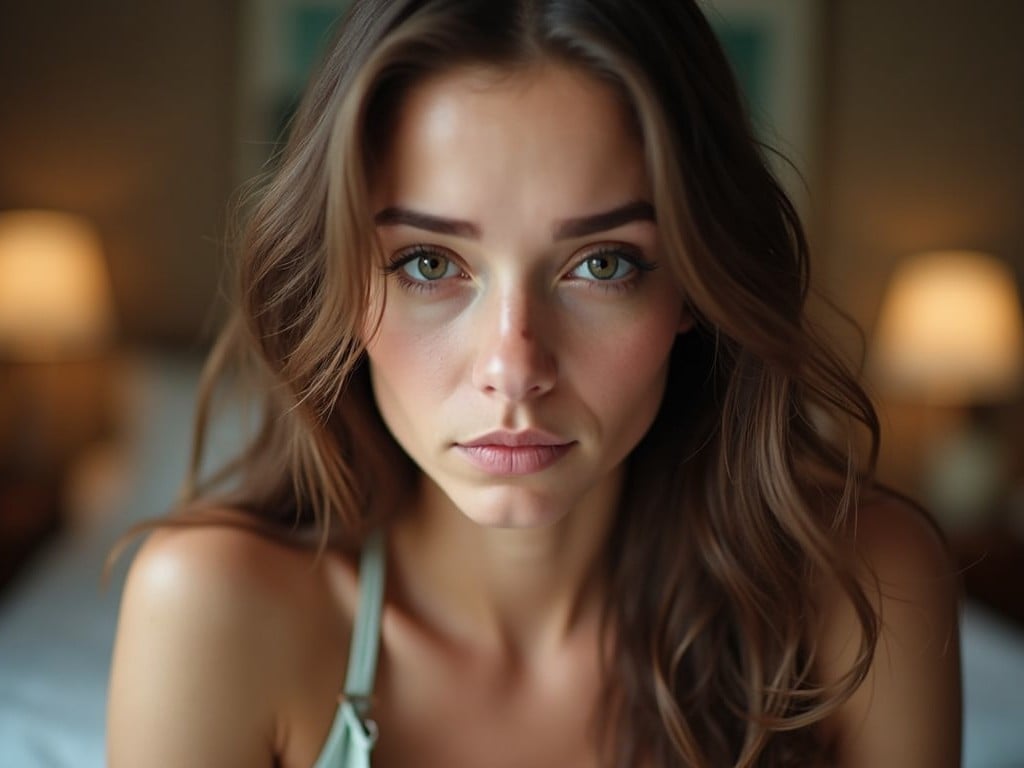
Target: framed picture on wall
{"points": [[282, 41], [775, 49]]}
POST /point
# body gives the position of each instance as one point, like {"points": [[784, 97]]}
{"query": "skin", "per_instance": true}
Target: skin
{"points": [[231, 649], [519, 335]]}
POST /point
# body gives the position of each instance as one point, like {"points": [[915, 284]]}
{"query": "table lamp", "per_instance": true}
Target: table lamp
{"points": [[56, 325], [950, 335], [55, 298], [56, 330]]}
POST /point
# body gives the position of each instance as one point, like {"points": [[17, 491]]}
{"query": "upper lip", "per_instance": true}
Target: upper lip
{"points": [[528, 437]]}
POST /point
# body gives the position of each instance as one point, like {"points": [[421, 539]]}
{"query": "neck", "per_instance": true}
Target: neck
{"points": [[519, 592]]}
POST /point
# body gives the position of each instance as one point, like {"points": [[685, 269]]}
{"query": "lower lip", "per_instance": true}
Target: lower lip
{"points": [[513, 460]]}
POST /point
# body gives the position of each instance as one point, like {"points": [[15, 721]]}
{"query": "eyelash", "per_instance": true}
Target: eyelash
{"points": [[625, 253], [395, 267]]}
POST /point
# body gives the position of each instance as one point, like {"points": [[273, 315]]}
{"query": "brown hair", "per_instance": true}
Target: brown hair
{"points": [[736, 498]]}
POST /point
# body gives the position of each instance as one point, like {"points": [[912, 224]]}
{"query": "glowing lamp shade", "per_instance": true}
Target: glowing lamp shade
{"points": [[950, 330], [55, 297]]}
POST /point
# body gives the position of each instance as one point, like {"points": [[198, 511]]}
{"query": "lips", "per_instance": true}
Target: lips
{"points": [[514, 453]]}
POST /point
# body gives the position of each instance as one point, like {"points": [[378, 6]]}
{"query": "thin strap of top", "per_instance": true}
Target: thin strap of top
{"points": [[352, 737], [362, 658]]}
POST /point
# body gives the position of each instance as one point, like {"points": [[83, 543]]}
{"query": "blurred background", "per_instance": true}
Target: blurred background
{"points": [[128, 126]]}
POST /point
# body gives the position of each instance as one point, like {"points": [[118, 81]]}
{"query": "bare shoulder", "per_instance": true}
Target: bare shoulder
{"points": [[907, 710], [217, 628], [212, 562], [895, 537]]}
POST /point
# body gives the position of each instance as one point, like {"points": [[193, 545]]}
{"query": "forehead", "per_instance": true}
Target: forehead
{"points": [[550, 139]]}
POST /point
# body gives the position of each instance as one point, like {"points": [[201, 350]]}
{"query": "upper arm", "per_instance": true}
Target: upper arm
{"points": [[192, 683], [907, 712]]}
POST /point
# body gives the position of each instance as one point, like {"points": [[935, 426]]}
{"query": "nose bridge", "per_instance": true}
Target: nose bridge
{"points": [[514, 358], [515, 311]]}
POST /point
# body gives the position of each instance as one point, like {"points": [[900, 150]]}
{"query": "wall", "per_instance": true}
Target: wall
{"points": [[923, 149], [122, 110], [924, 142]]}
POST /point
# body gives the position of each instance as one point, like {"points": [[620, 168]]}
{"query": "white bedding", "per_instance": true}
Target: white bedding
{"points": [[57, 628]]}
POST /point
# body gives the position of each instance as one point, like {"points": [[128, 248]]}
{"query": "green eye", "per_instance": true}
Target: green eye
{"points": [[604, 266], [428, 267]]}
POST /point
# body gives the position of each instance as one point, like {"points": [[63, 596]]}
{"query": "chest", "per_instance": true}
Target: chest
{"points": [[448, 709]]}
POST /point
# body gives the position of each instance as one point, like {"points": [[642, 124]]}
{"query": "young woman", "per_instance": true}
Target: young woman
{"points": [[526, 309]]}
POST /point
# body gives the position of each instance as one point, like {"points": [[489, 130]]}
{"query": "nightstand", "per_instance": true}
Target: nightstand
{"points": [[30, 514], [991, 562]]}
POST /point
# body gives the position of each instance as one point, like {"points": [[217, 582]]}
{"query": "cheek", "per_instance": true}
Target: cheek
{"points": [[634, 369], [622, 372], [628, 353], [412, 365]]}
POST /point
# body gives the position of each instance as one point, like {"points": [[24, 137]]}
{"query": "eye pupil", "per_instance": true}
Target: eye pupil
{"points": [[603, 267], [433, 267]]}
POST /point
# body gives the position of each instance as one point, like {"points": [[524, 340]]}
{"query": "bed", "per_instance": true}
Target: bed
{"points": [[57, 624]]}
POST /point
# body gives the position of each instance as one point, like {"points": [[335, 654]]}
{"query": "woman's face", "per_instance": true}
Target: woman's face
{"points": [[527, 313]]}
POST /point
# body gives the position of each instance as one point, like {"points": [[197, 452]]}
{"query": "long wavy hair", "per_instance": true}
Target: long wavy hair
{"points": [[737, 500]]}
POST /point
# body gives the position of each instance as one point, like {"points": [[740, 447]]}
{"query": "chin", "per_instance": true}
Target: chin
{"points": [[509, 507]]}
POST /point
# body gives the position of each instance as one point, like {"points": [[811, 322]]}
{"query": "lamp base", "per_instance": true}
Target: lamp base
{"points": [[965, 476]]}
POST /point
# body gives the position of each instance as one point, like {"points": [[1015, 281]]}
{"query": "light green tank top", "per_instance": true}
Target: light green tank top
{"points": [[352, 735]]}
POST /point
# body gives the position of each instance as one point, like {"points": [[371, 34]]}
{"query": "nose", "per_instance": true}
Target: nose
{"points": [[514, 360]]}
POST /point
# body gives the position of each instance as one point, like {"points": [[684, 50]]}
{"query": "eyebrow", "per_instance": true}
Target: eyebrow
{"points": [[396, 216], [637, 210]]}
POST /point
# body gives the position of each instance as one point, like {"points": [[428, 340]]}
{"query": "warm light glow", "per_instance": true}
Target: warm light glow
{"points": [[950, 329], [54, 290]]}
